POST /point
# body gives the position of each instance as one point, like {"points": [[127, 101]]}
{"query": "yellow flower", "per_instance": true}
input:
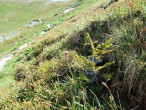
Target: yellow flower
{"points": [[111, 98]]}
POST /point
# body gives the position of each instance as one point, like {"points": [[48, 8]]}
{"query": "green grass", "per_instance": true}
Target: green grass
{"points": [[12, 44], [7, 74], [25, 13], [29, 34], [14, 15], [19, 17], [56, 79], [84, 5]]}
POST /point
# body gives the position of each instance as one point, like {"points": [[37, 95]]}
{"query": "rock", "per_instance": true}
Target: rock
{"points": [[33, 23], [69, 6], [68, 10], [1, 37], [54, 15], [4, 35], [48, 25], [80, 0], [54, 25], [77, 4], [40, 20], [90, 75], [98, 62], [43, 32]]}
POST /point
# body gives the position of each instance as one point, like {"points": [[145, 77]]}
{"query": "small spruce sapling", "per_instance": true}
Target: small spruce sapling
{"points": [[97, 53]]}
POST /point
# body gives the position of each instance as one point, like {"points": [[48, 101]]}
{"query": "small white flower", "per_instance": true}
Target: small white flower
{"points": [[66, 53]]}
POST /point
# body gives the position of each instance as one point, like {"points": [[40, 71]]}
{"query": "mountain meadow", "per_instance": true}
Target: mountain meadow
{"points": [[72, 55]]}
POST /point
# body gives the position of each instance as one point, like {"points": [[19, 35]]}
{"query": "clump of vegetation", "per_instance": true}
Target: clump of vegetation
{"points": [[56, 81]]}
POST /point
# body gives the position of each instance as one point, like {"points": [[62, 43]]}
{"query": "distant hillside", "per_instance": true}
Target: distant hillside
{"points": [[14, 14]]}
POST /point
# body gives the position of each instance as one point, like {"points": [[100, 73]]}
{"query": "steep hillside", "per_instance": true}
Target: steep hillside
{"points": [[26, 12], [93, 58]]}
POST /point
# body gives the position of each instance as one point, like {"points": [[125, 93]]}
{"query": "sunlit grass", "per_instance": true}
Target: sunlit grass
{"points": [[14, 15], [6, 75]]}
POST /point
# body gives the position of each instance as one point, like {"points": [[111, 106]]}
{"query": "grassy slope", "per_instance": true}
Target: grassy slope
{"points": [[44, 63], [30, 33], [6, 75], [26, 35], [14, 15]]}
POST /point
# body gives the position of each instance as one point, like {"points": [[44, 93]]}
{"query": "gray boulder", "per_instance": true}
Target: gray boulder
{"points": [[33, 23], [97, 62]]}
